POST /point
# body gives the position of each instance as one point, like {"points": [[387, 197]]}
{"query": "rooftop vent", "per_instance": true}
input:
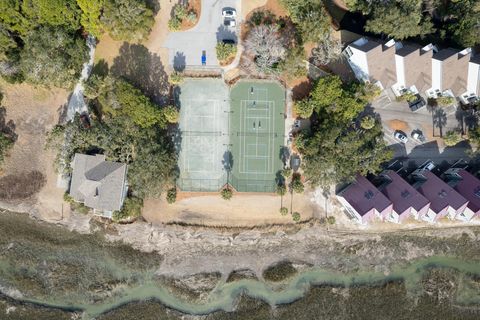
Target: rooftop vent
{"points": [[442, 194], [405, 194], [369, 194]]}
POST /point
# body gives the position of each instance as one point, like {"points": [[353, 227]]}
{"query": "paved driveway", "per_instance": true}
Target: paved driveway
{"points": [[185, 48]]}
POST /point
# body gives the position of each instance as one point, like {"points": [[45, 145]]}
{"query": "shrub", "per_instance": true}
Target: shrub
{"points": [[445, 101], [79, 207], [192, 17], [296, 216], [172, 195], [180, 12], [451, 138], [68, 198], [408, 97], [283, 211], [297, 184], [174, 24], [175, 78], [132, 208], [331, 220], [367, 122], [171, 114], [226, 194], [225, 50], [294, 63]]}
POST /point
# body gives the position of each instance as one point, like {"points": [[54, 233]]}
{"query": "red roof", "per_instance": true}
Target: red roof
{"points": [[440, 194], [363, 196], [401, 193], [467, 185]]}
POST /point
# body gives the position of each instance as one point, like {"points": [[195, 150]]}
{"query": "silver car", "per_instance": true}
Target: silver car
{"points": [[400, 136], [229, 13]]}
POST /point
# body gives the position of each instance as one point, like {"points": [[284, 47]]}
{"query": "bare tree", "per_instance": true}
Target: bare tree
{"points": [[265, 44], [329, 49]]}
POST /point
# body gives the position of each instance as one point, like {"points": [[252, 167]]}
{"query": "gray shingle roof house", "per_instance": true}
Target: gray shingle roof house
{"points": [[98, 184]]}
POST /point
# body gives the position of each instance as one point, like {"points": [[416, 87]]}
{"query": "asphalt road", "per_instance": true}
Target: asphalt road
{"points": [[185, 48]]}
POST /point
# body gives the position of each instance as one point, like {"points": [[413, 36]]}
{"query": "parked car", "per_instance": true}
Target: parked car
{"points": [[402, 137], [418, 135], [417, 104], [229, 13], [297, 123], [229, 22]]}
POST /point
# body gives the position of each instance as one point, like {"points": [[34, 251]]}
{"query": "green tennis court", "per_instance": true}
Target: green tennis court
{"points": [[257, 130]]}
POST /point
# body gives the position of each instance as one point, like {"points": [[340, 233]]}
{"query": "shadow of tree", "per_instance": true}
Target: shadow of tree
{"points": [[7, 127], [223, 33], [439, 120], [100, 68], [179, 62], [144, 70], [154, 5]]}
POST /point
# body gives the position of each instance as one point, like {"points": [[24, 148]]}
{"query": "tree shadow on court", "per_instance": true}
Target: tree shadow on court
{"points": [[144, 70], [284, 154], [227, 163], [223, 33], [179, 62]]}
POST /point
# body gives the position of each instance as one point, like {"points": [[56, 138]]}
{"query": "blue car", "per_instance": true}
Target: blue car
{"points": [[204, 57]]}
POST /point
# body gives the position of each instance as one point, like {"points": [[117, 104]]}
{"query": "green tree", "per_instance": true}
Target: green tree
{"points": [[52, 57], [175, 78], [281, 190], [55, 13], [90, 18], [283, 211], [399, 20], [311, 18], [451, 138], [304, 108], [127, 19], [226, 194], [336, 152]]}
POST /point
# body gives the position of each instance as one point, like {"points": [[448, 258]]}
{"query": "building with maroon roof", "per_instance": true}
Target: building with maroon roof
{"points": [[469, 187], [407, 202], [363, 202], [444, 200]]}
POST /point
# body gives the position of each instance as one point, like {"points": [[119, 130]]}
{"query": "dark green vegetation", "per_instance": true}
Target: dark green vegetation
{"points": [[337, 147], [14, 310], [452, 21], [127, 127], [279, 272], [42, 42]]}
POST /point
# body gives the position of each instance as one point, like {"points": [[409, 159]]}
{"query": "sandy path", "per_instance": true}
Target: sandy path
{"points": [[243, 210]]}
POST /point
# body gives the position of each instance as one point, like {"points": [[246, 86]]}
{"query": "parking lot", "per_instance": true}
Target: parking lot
{"points": [[186, 47], [396, 116]]}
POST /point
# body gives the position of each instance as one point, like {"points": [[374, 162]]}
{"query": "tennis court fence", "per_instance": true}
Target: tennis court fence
{"points": [[249, 185], [212, 185]]}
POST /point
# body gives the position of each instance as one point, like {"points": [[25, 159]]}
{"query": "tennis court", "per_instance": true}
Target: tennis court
{"points": [[257, 129], [204, 111]]}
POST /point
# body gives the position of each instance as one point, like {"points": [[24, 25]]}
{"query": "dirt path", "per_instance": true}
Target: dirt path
{"points": [[243, 210]]}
